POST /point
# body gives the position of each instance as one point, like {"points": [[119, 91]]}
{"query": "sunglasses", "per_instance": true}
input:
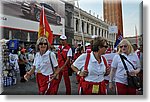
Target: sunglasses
{"points": [[123, 46], [42, 43], [106, 46]]}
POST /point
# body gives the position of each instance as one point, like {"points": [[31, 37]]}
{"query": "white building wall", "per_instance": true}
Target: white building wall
{"points": [[95, 22]]}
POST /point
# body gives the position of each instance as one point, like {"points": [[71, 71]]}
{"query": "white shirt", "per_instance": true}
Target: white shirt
{"points": [[109, 57], [96, 71], [121, 75], [42, 63], [13, 58], [30, 57]]}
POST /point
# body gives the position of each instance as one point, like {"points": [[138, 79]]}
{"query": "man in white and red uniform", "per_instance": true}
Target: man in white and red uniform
{"points": [[64, 55]]}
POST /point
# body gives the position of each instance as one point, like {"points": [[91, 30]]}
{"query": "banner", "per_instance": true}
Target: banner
{"points": [[118, 39], [113, 29]]}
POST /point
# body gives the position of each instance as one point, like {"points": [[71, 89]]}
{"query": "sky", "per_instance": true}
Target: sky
{"points": [[130, 11]]}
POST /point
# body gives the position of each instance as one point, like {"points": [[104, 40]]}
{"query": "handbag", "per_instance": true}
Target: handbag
{"points": [[133, 81]]}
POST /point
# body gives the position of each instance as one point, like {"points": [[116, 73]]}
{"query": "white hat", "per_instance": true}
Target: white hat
{"points": [[87, 44], [63, 37]]}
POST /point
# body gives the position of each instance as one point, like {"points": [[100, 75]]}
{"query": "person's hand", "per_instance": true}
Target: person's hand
{"points": [[134, 72], [27, 76], [83, 73], [107, 71], [53, 76]]}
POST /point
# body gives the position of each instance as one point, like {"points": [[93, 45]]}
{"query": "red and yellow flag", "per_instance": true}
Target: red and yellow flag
{"points": [[44, 28]]}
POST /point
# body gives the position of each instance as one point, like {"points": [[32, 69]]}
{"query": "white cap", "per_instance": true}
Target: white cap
{"points": [[63, 37], [87, 44]]}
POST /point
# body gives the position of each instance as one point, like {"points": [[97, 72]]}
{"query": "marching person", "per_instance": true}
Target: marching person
{"points": [[79, 50], [93, 82], [64, 56], [45, 66], [118, 70]]}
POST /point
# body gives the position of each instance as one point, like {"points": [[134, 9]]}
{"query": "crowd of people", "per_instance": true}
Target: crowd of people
{"points": [[98, 68]]}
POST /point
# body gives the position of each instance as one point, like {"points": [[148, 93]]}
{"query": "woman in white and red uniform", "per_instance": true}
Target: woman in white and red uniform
{"points": [[42, 66], [94, 75], [118, 70]]}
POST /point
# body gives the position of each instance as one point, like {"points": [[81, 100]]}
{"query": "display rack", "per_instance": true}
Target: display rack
{"points": [[8, 73]]}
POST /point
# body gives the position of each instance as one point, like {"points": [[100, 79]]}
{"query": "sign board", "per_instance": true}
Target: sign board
{"points": [[15, 15], [113, 29], [13, 44]]}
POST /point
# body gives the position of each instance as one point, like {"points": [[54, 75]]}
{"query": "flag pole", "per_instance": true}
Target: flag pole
{"points": [[136, 36], [81, 31], [43, 20]]}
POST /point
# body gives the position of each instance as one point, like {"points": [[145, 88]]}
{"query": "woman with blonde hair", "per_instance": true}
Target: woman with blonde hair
{"points": [[45, 66], [119, 71]]}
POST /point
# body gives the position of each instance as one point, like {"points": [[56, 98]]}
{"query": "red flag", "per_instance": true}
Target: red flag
{"points": [[44, 28]]}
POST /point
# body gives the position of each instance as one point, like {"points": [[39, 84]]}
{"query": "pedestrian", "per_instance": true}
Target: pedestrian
{"points": [[88, 47], [22, 64], [109, 57], [79, 50], [64, 56], [45, 66], [136, 50], [118, 68], [92, 68], [140, 55]]}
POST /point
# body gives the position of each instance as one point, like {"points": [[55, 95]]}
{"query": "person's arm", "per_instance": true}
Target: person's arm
{"points": [[78, 65], [66, 62], [138, 67], [28, 74], [80, 73], [112, 74]]}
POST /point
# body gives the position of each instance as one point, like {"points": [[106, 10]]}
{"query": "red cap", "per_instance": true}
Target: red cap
{"points": [[23, 50]]}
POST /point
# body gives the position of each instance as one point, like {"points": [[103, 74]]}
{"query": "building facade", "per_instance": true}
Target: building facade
{"points": [[90, 26], [69, 24], [113, 13], [132, 40]]}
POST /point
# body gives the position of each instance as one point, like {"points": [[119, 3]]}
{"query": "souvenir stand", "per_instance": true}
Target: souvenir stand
{"points": [[8, 72]]}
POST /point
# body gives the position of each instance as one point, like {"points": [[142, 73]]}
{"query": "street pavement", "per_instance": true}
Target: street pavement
{"points": [[31, 88]]}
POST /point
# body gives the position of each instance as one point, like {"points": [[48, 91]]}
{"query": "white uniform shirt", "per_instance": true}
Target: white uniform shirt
{"points": [[42, 63], [109, 57], [121, 75], [96, 71]]}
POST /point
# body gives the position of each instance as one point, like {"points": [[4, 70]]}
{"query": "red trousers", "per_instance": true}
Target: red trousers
{"points": [[44, 87], [64, 73], [123, 89], [78, 78], [87, 88]]}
